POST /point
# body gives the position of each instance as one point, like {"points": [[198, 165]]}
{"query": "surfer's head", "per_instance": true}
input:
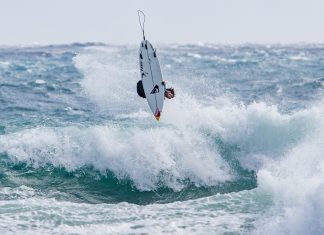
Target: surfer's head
{"points": [[169, 93]]}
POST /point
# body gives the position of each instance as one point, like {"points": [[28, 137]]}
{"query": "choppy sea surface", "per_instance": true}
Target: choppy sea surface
{"points": [[239, 150]]}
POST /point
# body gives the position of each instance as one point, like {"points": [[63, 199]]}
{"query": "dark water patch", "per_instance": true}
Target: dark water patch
{"points": [[9, 85], [19, 108], [18, 68], [2, 130], [66, 91], [245, 178], [50, 88], [313, 85]]}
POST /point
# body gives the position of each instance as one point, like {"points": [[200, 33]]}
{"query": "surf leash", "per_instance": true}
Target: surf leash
{"points": [[139, 12]]}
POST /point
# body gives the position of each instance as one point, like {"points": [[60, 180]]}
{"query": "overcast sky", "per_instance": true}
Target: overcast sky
{"points": [[167, 21]]}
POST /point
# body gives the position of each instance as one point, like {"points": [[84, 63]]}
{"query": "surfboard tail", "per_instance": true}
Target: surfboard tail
{"points": [[157, 114]]}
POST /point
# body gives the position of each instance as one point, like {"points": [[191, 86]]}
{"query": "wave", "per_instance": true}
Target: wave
{"points": [[216, 150]]}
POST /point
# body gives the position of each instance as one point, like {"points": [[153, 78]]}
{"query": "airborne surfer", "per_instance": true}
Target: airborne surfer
{"points": [[151, 86]]}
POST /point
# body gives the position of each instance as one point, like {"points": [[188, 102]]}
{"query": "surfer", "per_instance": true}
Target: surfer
{"points": [[169, 92]]}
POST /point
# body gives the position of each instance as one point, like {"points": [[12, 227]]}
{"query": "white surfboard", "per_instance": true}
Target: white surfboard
{"points": [[152, 78]]}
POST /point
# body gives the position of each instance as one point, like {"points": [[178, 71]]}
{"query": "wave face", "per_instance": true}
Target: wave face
{"points": [[238, 151]]}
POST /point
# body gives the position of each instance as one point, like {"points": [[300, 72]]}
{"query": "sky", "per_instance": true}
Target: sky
{"points": [[25, 22]]}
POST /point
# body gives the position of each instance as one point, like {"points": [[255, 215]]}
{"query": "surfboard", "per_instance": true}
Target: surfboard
{"points": [[151, 78]]}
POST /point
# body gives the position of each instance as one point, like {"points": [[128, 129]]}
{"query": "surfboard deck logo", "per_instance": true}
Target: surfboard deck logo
{"points": [[156, 89]]}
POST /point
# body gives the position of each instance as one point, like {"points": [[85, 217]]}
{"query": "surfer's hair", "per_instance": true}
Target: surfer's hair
{"points": [[171, 89]]}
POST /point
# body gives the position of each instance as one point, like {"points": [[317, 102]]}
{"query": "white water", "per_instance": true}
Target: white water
{"points": [[296, 183]]}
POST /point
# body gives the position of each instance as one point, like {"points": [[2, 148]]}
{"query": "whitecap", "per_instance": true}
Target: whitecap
{"points": [[40, 82]]}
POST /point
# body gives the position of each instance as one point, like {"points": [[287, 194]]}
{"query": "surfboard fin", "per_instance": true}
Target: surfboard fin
{"points": [[157, 114]]}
